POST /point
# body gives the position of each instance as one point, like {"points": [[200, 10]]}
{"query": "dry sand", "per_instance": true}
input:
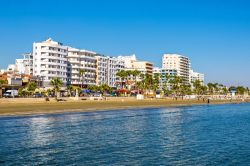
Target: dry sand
{"points": [[31, 106]]}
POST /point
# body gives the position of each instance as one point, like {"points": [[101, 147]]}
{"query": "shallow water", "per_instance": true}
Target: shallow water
{"points": [[197, 135]]}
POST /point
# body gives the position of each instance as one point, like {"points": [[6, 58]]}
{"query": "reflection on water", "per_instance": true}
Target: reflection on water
{"points": [[198, 135]]}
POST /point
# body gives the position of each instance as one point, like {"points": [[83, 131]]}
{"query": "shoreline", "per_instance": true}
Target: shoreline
{"points": [[30, 107]]}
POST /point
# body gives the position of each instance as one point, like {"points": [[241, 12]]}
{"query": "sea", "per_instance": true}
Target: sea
{"points": [[189, 135]]}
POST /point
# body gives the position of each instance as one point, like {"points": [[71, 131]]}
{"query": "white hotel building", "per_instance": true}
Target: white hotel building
{"points": [[196, 76], [179, 63], [25, 65], [81, 59], [50, 61], [106, 70], [131, 63]]}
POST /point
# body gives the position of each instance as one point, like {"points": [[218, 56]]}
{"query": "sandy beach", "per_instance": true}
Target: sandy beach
{"points": [[31, 106]]}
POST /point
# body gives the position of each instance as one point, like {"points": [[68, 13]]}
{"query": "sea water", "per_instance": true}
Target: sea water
{"points": [[195, 135]]}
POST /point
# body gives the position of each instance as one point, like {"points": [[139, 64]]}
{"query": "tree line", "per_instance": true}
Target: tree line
{"points": [[136, 80]]}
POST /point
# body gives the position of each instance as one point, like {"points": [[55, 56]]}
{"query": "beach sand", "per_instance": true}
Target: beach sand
{"points": [[32, 106]]}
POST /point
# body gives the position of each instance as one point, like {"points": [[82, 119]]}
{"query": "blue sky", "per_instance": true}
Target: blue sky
{"points": [[215, 34]]}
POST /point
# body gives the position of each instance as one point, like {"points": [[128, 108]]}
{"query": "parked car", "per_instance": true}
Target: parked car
{"points": [[10, 93], [38, 95], [96, 96]]}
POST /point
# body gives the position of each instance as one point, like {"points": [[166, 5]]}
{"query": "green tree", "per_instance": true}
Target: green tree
{"points": [[32, 87], [70, 88], [197, 84], [224, 90], [156, 81], [93, 88], [3, 82], [105, 88], [241, 90], [135, 74], [210, 88], [185, 89], [165, 84], [148, 82], [213, 88], [56, 83], [176, 82], [122, 74], [23, 92]]}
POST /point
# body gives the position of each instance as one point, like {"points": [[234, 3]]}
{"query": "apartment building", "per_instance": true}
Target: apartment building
{"points": [[25, 65], [81, 60], [143, 66], [131, 63], [196, 76], [179, 63], [164, 75], [128, 60], [106, 70], [50, 61]]}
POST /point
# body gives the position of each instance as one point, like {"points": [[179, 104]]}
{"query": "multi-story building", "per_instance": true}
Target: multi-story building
{"points": [[131, 63], [128, 61], [165, 75], [143, 66], [50, 61], [106, 70], [11, 68], [25, 65], [81, 60], [179, 63], [196, 76]]}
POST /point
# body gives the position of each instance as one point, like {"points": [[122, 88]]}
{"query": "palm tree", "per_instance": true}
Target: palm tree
{"points": [[82, 75], [185, 89], [210, 88], [156, 81], [241, 90], [216, 87], [148, 82], [176, 82], [165, 84], [197, 87], [224, 90], [56, 83], [122, 74], [105, 88], [70, 88], [135, 74], [48, 92]]}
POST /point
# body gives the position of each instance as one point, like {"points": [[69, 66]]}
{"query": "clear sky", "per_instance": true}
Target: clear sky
{"points": [[214, 34]]}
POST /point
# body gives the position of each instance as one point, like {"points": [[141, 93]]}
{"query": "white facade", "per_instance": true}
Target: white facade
{"points": [[50, 61], [179, 63], [196, 76], [2, 71], [25, 65], [11, 68], [131, 63], [128, 60], [81, 60], [107, 67]]}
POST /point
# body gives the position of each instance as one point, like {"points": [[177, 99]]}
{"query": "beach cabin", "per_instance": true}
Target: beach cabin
{"points": [[233, 93]]}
